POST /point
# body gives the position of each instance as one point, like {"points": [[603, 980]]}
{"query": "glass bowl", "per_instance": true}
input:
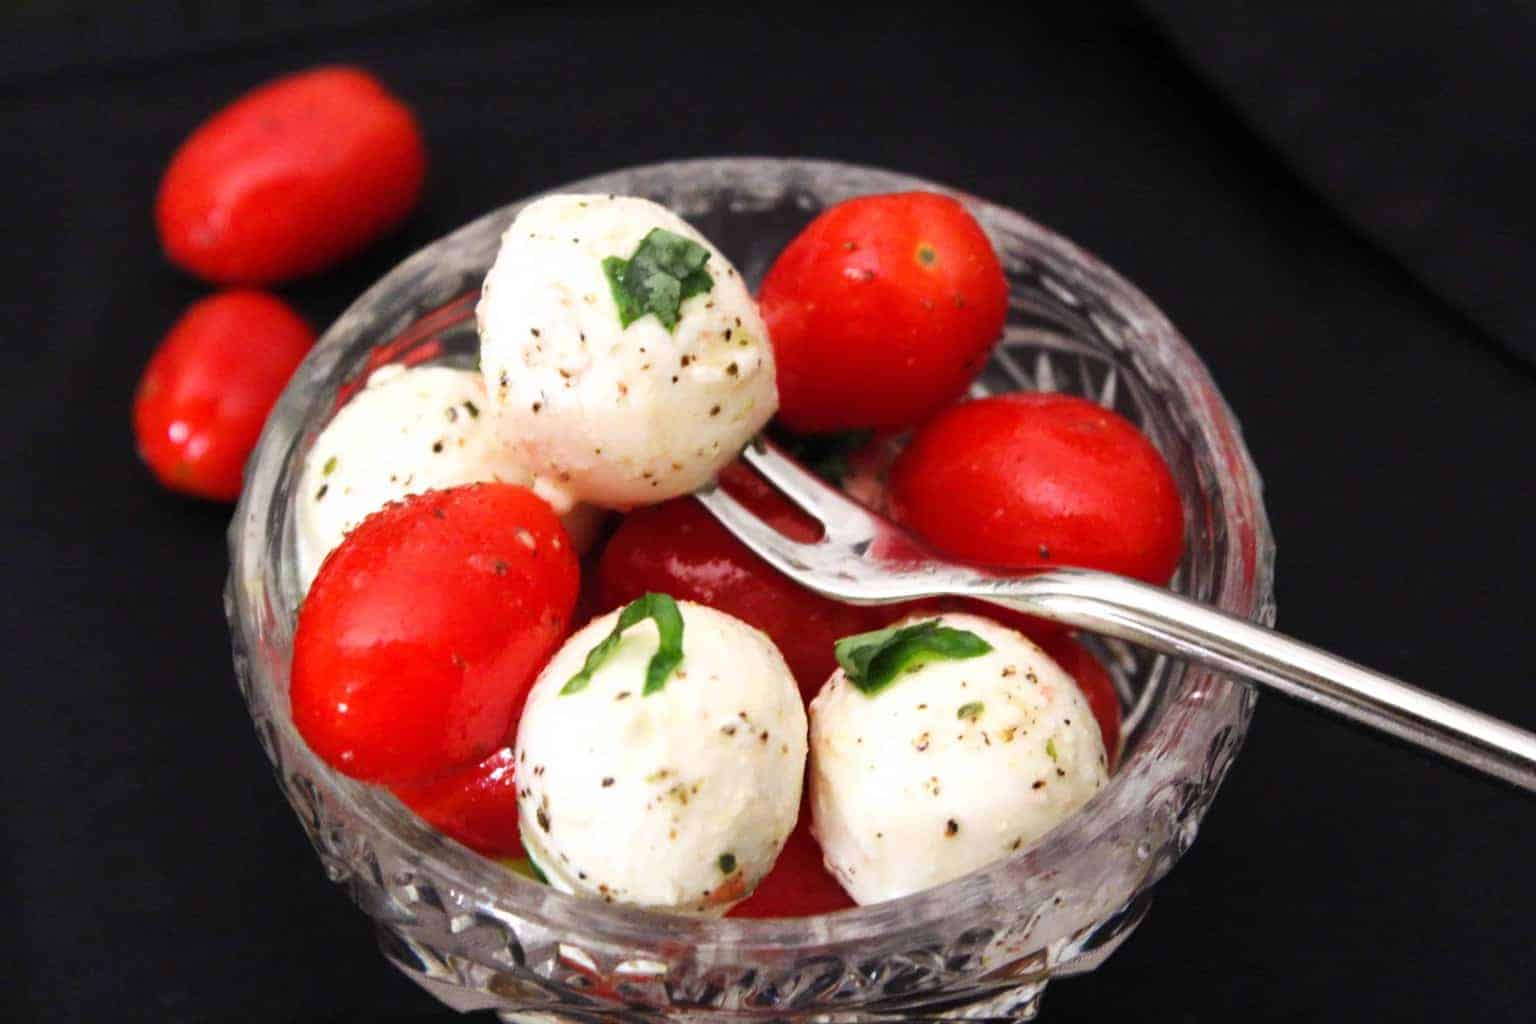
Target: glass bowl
{"points": [[479, 936]]}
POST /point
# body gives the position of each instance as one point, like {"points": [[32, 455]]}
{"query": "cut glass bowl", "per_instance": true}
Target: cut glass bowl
{"points": [[479, 936]]}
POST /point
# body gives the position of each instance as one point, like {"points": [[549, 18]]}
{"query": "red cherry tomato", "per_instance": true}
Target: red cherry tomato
{"points": [[881, 311], [799, 884], [206, 392], [425, 628], [476, 806], [678, 548], [290, 178], [1024, 480], [768, 504], [1093, 679]]}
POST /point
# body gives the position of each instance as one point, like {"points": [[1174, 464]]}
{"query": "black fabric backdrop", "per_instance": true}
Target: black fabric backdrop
{"points": [[150, 869]]}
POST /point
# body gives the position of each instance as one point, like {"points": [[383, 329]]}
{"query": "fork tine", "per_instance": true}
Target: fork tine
{"points": [[787, 556], [844, 518]]}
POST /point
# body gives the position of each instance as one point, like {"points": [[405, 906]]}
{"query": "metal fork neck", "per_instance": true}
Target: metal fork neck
{"points": [[1165, 622]]}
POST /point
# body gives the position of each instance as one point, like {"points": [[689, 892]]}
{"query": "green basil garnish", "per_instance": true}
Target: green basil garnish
{"points": [[664, 271], [669, 653], [527, 868], [872, 661]]}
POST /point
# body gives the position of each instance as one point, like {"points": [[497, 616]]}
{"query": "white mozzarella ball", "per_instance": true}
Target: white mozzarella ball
{"points": [[680, 799], [408, 431], [953, 766], [622, 416]]}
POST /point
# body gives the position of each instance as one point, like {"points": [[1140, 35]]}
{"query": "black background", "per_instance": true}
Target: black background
{"points": [[150, 868]]}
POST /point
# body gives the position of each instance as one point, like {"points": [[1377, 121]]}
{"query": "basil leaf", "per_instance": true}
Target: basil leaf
{"points": [[527, 868], [669, 652], [872, 661], [665, 271], [630, 308]]}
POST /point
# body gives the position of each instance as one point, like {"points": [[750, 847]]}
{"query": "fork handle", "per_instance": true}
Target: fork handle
{"points": [[1155, 618]]}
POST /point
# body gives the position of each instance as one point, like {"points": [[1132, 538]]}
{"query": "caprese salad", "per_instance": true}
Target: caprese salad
{"points": [[716, 739]]}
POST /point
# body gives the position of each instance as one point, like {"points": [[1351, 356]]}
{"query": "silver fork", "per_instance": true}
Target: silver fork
{"points": [[865, 559]]}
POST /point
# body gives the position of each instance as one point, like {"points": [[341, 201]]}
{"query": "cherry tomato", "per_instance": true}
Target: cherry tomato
{"points": [[1093, 679], [678, 548], [425, 628], [1024, 480], [881, 311], [799, 884], [476, 806], [768, 504], [290, 178], [206, 392]]}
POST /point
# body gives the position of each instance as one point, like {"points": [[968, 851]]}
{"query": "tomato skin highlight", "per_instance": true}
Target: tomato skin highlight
{"points": [[1021, 481], [881, 311], [206, 392], [290, 178], [424, 630], [678, 548], [476, 806]]}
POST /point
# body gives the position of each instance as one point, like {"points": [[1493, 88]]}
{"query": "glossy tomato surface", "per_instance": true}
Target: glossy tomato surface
{"points": [[678, 548], [291, 177], [203, 398], [1024, 480], [476, 806], [425, 628], [881, 311]]}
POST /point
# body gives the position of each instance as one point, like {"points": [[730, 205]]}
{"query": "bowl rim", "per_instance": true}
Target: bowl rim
{"points": [[1245, 590]]}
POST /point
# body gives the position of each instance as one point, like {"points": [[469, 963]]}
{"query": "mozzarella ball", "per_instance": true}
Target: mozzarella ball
{"points": [[954, 765], [680, 799], [623, 416], [408, 431]]}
